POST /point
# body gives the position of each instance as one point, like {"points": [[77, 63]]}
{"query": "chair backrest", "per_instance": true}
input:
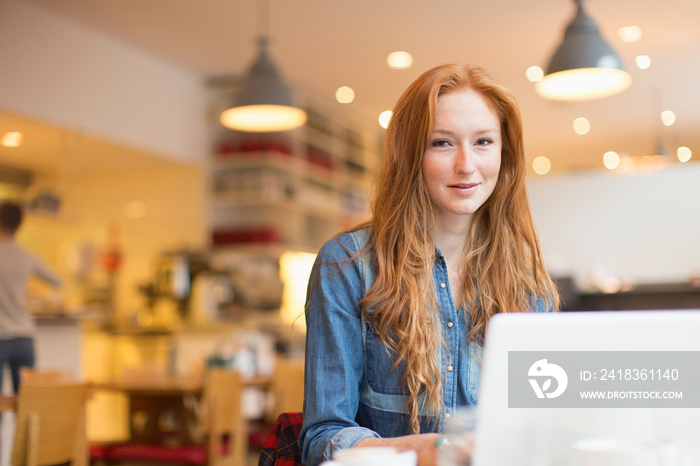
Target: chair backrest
{"points": [[223, 419], [50, 417], [287, 388], [34, 376]]}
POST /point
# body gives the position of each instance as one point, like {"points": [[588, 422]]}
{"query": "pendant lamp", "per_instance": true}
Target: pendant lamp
{"points": [[264, 102], [584, 66]]}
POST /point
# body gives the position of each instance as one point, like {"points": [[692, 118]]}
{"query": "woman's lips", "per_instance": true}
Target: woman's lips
{"points": [[465, 188]]}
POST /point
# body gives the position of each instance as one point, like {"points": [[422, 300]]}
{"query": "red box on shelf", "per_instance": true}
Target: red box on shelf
{"points": [[246, 235]]}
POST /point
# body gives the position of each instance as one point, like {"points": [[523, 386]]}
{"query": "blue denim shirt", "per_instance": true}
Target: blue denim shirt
{"points": [[351, 393]]}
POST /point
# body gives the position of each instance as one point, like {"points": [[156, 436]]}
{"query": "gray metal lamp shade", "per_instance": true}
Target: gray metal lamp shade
{"points": [[584, 66], [264, 103]]}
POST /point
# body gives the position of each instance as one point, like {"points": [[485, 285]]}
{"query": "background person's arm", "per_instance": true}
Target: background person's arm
{"points": [[45, 274]]}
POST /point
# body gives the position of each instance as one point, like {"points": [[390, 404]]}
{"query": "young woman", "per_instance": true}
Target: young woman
{"points": [[397, 308]]}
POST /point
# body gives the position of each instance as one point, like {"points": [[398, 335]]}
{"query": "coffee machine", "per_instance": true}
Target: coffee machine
{"points": [[178, 290]]}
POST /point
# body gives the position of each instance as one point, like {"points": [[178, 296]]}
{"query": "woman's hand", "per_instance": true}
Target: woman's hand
{"points": [[422, 444]]}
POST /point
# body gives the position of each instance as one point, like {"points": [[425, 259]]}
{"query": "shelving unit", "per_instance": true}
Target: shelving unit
{"points": [[293, 190]]}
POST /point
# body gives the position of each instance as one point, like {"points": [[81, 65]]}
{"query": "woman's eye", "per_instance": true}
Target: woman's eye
{"points": [[440, 143], [483, 142]]}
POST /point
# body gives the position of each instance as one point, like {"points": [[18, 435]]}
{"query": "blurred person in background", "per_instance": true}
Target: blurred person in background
{"points": [[17, 266]]}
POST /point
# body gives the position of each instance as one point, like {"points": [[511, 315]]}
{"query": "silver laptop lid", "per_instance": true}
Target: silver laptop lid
{"points": [[549, 380]]}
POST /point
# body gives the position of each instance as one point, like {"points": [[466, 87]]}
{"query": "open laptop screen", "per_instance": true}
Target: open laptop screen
{"points": [[550, 380]]}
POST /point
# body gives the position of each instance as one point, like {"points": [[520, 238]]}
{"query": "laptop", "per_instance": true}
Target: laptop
{"points": [[550, 380]]}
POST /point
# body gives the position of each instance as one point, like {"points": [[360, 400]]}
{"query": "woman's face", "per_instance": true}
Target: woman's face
{"points": [[461, 163]]}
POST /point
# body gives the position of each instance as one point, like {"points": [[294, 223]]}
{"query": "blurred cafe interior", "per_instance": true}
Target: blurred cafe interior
{"points": [[184, 244]]}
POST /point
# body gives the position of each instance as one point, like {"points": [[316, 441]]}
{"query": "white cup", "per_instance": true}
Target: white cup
{"points": [[628, 452], [373, 456]]}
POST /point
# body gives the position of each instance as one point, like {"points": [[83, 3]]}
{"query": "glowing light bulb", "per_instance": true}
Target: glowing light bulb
{"points": [[611, 160], [345, 94], [642, 61], [582, 126], [629, 34], [668, 117], [684, 154], [12, 139], [541, 165], [534, 74], [384, 118], [399, 60]]}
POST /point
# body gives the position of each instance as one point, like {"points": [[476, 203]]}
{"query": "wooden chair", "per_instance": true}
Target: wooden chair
{"points": [[287, 388], [35, 376], [50, 425], [287, 391], [225, 442], [56, 376]]}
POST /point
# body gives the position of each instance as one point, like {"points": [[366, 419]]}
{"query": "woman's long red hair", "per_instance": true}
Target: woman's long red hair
{"points": [[503, 259]]}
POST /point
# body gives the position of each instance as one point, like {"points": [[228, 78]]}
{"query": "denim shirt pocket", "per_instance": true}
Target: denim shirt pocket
{"points": [[380, 376], [474, 372]]}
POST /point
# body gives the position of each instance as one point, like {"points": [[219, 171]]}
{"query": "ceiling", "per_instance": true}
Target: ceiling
{"points": [[48, 150], [320, 45]]}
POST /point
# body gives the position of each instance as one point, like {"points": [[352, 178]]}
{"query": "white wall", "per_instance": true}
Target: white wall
{"points": [[644, 226], [61, 73]]}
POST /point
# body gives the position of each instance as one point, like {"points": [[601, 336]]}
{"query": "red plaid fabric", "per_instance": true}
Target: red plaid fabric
{"points": [[282, 446]]}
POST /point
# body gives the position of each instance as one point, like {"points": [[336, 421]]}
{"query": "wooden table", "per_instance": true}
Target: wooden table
{"points": [[153, 399], [156, 386], [170, 385], [173, 397]]}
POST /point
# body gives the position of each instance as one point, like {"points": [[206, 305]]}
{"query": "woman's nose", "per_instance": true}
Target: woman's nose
{"points": [[464, 161]]}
